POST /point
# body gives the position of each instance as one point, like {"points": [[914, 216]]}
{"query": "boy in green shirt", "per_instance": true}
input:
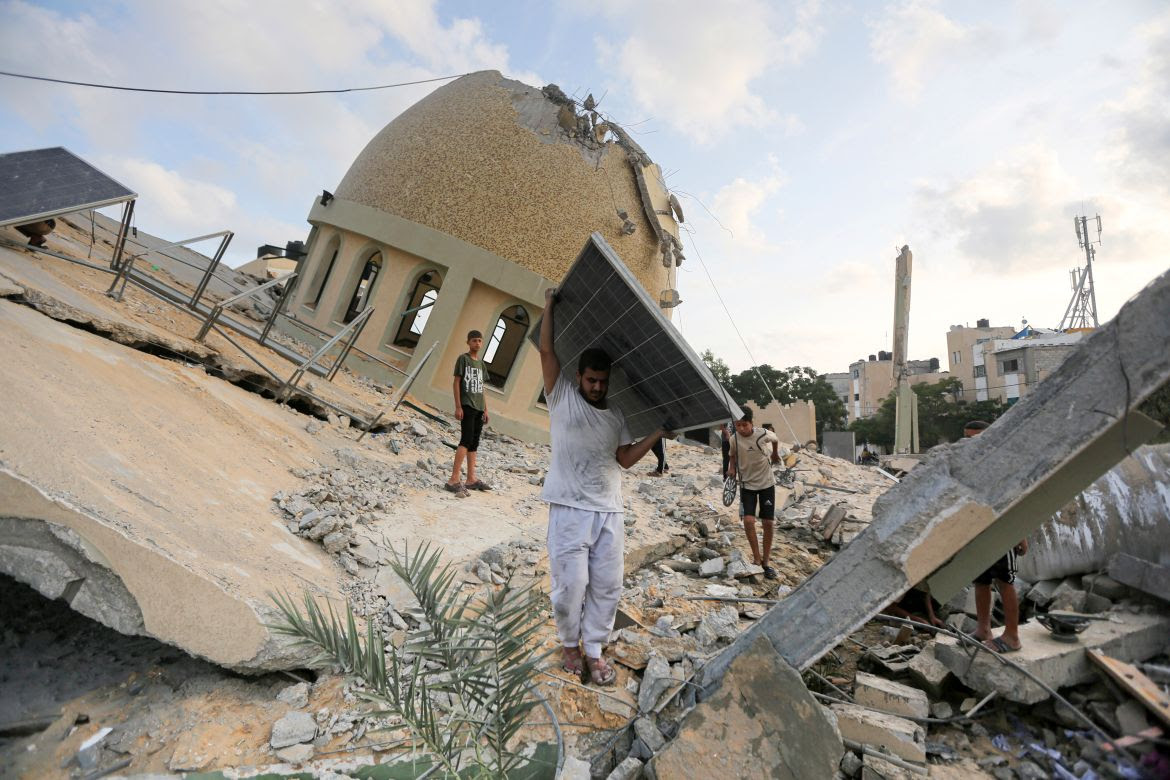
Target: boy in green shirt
{"points": [[471, 411]]}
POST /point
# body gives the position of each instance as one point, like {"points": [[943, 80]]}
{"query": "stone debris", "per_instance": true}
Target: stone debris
{"points": [[295, 696], [899, 736], [294, 728], [882, 694]]}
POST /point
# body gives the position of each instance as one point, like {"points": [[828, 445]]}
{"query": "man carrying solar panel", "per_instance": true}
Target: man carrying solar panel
{"points": [[583, 488]]}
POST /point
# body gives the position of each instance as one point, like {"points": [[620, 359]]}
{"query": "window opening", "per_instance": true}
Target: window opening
{"points": [[322, 279], [504, 345], [365, 284], [418, 309]]}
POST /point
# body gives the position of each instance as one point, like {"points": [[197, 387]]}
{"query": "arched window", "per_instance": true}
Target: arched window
{"points": [[418, 309], [361, 291], [321, 279], [504, 345]]}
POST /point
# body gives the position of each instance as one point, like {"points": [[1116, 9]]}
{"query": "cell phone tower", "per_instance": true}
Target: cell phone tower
{"points": [[1081, 311]]}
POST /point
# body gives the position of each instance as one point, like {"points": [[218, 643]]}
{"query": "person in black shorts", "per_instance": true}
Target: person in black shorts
{"points": [[752, 456], [471, 411], [1003, 574], [659, 450]]}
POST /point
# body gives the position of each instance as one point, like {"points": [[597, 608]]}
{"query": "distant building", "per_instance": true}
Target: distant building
{"points": [[1008, 369], [842, 383], [873, 379], [961, 341]]}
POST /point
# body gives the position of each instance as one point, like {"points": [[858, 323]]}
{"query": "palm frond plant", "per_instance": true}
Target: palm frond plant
{"points": [[461, 682]]}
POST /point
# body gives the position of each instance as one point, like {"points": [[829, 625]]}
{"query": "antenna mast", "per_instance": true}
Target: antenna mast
{"points": [[1081, 311]]}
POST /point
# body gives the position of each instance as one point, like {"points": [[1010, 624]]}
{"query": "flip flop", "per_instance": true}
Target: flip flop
{"points": [[453, 488], [770, 573], [998, 645], [600, 672], [479, 484]]}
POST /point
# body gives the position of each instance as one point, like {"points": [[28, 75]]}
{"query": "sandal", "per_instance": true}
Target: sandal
{"points": [[479, 484], [770, 573], [455, 487], [600, 672], [573, 665], [998, 645]]}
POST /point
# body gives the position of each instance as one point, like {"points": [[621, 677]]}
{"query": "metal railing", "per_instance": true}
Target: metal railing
{"points": [[217, 309], [353, 329], [123, 269]]}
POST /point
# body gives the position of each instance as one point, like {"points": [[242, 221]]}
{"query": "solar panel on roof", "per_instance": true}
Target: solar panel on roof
{"points": [[657, 379], [45, 183]]}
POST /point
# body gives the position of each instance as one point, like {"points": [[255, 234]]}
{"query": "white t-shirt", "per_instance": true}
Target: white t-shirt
{"points": [[584, 472]]}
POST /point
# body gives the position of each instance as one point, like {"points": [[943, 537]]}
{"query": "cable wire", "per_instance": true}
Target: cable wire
{"points": [[122, 88]]}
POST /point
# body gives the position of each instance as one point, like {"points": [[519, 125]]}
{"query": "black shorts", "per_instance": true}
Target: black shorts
{"points": [[470, 428], [1003, 570], [766, 499]]}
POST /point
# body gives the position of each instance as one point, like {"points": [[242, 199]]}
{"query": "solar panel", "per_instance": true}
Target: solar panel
{"points": [[657, 379], [43, 183]]}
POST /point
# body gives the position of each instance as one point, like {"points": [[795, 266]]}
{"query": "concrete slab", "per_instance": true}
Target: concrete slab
{"points": [[872, 691], [901, 737], [1146, 576], [762, 722], [1058, 664], [139, 489], [948, 519]]}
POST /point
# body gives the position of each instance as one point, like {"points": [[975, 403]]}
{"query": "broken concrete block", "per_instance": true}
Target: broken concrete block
{"points": [[648, 732], [337, 541], [711, 567], [1131, 717], [629, 769], [1104, 585], [574, 769], [1068, 597], [928, 673], [761, 722], [1095, 604], [656, 680], [1042, 592], [1058, 664], [872, 691], [1148, 577], [295, 754], [295, 696], [292, 729], [898, 736], [850, 764], [719, 624]]}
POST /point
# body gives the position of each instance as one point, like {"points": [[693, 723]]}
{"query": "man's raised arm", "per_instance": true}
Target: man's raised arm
{"points": [[549, 365]]}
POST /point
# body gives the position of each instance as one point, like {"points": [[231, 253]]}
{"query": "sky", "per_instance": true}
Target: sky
{"points": [[807, 141]]}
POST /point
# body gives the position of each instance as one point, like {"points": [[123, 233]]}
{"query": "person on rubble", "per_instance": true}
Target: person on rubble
{"points": [[659, 450], [472, 414], [752, 455], [591, 444], [36, 231], [1003, 574]]}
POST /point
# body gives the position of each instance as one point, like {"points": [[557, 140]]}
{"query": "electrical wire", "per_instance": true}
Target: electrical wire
{"points": [[122, 88]]}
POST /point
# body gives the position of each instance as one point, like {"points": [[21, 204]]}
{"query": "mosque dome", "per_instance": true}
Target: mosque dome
{"points": [[521, 172]]}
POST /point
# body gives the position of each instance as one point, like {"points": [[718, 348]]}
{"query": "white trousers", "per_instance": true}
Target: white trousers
{"points": [[585, 565]]}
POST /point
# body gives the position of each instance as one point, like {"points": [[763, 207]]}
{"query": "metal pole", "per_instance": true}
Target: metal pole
{"points": [[296, 375], [371, 424], [216, 310], [413, 375], [285, 296], [210, 267], [348, 346], [123, 229], [122, 276]]}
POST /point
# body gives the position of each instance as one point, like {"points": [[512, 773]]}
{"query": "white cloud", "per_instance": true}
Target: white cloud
{"points": [[738, 206], [914, 38], [692, 64], [1015, 213], [248, 163], [1140, 147]]}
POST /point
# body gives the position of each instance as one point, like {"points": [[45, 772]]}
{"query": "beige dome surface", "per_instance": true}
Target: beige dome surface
{"points": [[484, 159]]}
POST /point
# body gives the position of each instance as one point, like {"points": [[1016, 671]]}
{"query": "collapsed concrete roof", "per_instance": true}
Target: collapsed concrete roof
{"points": [[968, 502]]}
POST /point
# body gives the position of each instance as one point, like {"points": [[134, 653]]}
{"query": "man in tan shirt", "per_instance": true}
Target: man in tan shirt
{"points": [[753, 451]]}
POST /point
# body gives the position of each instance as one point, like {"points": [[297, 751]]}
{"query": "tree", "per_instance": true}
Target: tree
{"points": [[796, 383], [941, 416]]}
